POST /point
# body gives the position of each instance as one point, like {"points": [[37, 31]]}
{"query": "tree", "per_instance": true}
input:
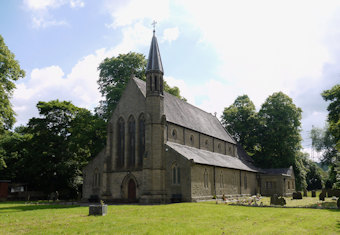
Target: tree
{"points": [[314, 176], [10, 71], [278, 132], [333, 108], [64, 139], [241, 121], [323, 141], [114, 75]]}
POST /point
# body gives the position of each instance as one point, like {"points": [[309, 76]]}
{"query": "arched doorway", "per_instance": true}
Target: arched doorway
{"points": [[131, 190]]}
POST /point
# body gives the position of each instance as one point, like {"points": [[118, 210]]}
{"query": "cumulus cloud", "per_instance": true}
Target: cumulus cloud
{"points": [[170, 34], [125, 13], [41, 11], [49, 83]]}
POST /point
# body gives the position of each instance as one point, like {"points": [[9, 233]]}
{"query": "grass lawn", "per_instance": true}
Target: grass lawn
{"points": [[181, 218]]}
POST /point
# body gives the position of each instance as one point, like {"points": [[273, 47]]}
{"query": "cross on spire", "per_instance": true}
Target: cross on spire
{"points": [[154, 25]]}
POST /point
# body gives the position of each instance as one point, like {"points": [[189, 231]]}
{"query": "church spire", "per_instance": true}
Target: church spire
{"points": [[154, 60], [154, 69]]}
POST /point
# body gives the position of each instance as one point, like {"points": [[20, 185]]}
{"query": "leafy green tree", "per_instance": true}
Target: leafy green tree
{"points": [[10, 71], [64, 139], [278, 132], [333, 95], [300, 170], [323, 141], [114, 75], [241, 121], [314, 176]]}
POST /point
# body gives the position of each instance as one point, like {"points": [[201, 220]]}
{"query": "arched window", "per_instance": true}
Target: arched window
{"points": [[206, 185], [176, 174], [192, 140], [156, 83], [96, 178], [132, 142], [221, 180], [245, 182], [120, 142], [150, 79], [141, 137], [161, 85], [206, 143], [174, 134]]}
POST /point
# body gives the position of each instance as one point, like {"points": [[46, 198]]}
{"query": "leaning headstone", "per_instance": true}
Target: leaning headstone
{"points": [[305, 192], [274, 199], [313, 193], [297, 195], [281, 201], [322, 196], [98, 209]]}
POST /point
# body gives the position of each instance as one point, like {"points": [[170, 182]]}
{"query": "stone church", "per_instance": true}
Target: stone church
{"points": [[162, 149]]}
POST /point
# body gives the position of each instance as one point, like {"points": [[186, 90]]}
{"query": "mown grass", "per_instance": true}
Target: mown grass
{"points": [[182, 218]]}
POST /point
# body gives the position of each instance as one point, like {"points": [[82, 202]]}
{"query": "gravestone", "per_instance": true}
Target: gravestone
{"points": [[322, 196], [297, 195], [313, 193], [98, 209], [305, 192], [275, 200]]}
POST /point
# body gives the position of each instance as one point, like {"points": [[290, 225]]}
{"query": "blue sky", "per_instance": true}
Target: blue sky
{"points": [[212, 50]]}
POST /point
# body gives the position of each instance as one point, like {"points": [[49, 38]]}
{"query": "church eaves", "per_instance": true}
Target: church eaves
{"points": [[154, 60]]}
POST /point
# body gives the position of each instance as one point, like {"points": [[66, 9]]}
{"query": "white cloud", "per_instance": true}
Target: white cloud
{"points": [[40, 11], [128, 12], [76, 3], [170, 34], [37, 5], [49, 83], [134, 36]]}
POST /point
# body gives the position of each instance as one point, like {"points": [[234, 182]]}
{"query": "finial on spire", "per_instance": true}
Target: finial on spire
{"points": [[154, 26]]}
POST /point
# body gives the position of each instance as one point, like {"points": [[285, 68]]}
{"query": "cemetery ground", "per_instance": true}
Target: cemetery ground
{"points": [[179, 218]]}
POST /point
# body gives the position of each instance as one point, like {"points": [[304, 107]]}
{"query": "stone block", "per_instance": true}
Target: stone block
{"points": [[98, 210]]}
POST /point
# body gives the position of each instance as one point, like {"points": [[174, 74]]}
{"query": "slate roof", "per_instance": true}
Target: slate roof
{"points": [[154, 59], [278, 171], [184, 114], [243, 155], [210, 158]]}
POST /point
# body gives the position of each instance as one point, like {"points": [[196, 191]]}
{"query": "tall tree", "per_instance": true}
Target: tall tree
{"points": [[240, 119], [114, 75], [278, 132], [64, 139], [333, 95], [10, 71]]}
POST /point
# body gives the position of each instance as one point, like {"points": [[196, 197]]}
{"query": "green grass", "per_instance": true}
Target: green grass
{"points": [[182, 218]]}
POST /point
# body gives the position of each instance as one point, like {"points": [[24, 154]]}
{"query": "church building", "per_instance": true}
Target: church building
{"points": [[161, 149]]}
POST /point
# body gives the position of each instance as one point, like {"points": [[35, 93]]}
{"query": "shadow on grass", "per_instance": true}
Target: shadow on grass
{"points": [[30, 207]]}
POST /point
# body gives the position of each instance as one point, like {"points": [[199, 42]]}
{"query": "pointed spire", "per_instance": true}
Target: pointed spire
{"points": [[154, 60]]}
